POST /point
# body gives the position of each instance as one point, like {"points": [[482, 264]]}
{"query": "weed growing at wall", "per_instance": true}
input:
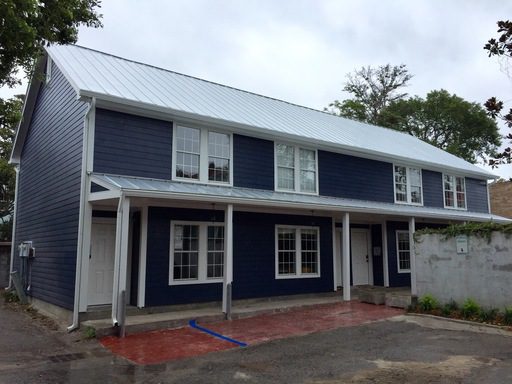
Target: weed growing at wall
{"points": [[483, 230]]}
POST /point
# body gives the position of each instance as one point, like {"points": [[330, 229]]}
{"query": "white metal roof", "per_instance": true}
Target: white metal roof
{"points": [[155, 188], [114, 79]]}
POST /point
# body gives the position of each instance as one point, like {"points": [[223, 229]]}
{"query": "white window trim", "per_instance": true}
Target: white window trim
{"points": [[296, 169], [203, 155], [407, 168], [202, 259], [456, 207], [398, 254], [298, 254]]}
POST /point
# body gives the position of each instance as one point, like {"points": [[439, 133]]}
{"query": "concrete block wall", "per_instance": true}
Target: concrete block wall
{"points": [[483, 274], [501, 198]]}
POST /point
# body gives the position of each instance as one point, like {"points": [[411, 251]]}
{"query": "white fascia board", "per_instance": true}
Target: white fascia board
{"points": [[164, 113], [28, 109]]}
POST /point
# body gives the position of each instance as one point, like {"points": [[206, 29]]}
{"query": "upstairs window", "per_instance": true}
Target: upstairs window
{"points": [[408, 187], [454, 192], [296, 169], [202, 155]]}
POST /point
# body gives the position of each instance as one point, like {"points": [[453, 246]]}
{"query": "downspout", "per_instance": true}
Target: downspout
{"points": [[17, 169], [83, 200]]}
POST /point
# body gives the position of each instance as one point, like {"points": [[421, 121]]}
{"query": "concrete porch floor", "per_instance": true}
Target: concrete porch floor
{"points": [[148, 319]]}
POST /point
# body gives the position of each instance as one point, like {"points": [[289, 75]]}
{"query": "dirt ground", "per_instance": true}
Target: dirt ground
{"points": [[401, 350]]}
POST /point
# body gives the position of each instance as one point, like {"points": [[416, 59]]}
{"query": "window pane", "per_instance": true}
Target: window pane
{"points": [[285, 178], [400, 184], [307, 181], [215, 257], [218, 169], [307, 159], [309, 251], [187, 152], [186, 252], [286, 251], [285, 155], [415, 177], [218, 145], [404, 256]]}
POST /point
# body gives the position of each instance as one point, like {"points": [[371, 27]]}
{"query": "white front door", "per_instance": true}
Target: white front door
{"points": [[361, 271], [101, 262]]}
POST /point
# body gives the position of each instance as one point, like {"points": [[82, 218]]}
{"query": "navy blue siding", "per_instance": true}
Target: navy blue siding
{"points": [[253, 163], [254, 256], [432, 189], [355, 178], [396, 279], [476, 195], [132, 145], [49, 190], [158, 290], [376, 233]]}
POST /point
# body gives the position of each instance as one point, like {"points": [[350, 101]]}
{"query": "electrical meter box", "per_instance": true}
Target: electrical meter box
{"points": [[26, 249]]}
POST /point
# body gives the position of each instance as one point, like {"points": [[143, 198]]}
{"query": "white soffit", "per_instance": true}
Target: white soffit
{"points": [[115, 79]]}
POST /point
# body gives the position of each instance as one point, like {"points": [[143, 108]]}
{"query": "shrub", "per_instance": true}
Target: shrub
{"points": [[428, 303], [507, 316], [11, 297], [470, 309], [488, 315]]}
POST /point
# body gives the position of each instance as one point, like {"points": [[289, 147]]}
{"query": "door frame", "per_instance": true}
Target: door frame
{"points": [[339, 255], [94, 221]]}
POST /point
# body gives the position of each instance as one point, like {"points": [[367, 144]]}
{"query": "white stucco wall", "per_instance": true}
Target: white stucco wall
{"points": [[483, 274]]}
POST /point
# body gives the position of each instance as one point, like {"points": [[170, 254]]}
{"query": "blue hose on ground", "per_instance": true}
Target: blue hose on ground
{"points": [[193, 324]]}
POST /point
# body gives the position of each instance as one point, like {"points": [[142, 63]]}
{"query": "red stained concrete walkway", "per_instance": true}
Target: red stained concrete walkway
{"points": [[170, 344]]}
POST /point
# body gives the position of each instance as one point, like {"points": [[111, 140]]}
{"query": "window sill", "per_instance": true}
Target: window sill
{"points": [[287, 277], [405, 271], [455, 208], [195, 282], [195, 181], [406, 203], [296, 192]]}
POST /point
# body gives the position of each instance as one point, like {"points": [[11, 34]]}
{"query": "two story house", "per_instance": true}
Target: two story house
{"points": [[171, 189]]}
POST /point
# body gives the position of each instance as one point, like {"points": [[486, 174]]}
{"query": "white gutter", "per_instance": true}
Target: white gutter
{"points": [[83, 201], [14, 215]]}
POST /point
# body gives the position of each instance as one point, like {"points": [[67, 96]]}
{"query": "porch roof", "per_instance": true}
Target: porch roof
{"points": [[167, 189]]}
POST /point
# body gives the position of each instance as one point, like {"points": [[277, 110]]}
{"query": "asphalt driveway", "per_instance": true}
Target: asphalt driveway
{"points": [[401, 349]]}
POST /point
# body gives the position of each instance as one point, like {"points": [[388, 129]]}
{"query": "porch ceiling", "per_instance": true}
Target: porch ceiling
{"points": [[166, 189]]}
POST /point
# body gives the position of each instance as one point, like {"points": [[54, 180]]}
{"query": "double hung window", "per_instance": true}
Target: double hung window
{"points": [[197, 253], [202, 155], [296, 169], [297, 252], [408, 187], [454, 188], [403, 251]]}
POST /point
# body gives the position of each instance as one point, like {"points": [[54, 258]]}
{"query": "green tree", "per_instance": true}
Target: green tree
{"points": [[501, 47], [447, 122], [10, 115], [28, 25], [372, 90]]}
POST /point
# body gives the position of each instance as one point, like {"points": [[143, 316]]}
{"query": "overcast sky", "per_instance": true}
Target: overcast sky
{"points": [[300, 51]]}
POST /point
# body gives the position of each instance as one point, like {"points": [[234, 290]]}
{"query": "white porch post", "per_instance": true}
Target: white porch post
{"points": [[385, 260], [346, 256], [121, 258], [334, 256], [412, 228], [228, 261]]}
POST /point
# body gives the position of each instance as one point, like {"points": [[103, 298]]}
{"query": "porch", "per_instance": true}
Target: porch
{"points": [[175, 316]]}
